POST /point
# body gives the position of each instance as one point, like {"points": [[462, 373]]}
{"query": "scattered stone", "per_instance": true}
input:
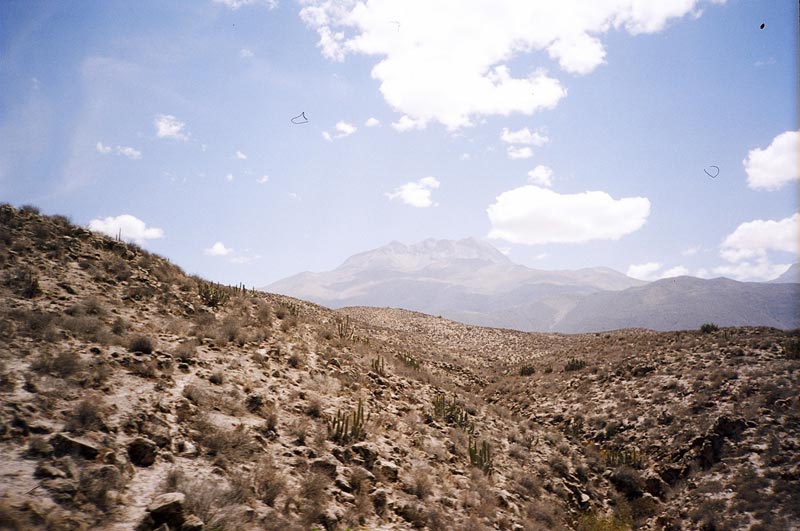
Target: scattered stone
{"points": [[168, 509], [387, 469], [326, 466]]}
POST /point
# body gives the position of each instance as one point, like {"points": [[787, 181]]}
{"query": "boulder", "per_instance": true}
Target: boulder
{"points": [[168, 509], [142, 452], [66, 445], [368, 453]]}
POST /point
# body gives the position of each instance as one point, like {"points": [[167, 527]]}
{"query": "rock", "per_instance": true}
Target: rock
{"points": [[168, 509], [48, 471], [368, 453], [330, 517], [142, 452], [379, 501], [66, 445], [728, 427], [61, 490], [326, 466], [387, 469], [192, 523]]}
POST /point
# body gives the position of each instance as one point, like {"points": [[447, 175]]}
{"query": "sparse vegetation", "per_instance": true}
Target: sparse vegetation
{"points": [[345, 427], [142, 344], [575, 364], [708, 328]]}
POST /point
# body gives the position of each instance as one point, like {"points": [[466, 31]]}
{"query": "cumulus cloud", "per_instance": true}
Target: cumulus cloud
{"points": [[343, 129], [229, 177], [779, 163], [652, 271], [533, 215], [236, 4], [646, 271], [524, 136], [129, 152], [264, 179], [691, 251], [168, 126], [372, 122], [125, 151], [748, 248], [541, 176], [126, 226], [246, 53], [406, 123], [240, 156], [519, 152], [424, 77], [754, 239], [218, 249], [416, 194]]}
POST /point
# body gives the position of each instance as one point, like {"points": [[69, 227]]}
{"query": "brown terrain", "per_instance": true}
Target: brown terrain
{"points": [[134, 396]]}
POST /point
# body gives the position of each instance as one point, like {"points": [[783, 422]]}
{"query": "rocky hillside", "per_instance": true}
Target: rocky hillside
{"points": [[134, 396]]}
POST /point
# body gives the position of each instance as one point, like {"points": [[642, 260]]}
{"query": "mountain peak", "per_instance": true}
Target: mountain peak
{"points": [[427, 253]]}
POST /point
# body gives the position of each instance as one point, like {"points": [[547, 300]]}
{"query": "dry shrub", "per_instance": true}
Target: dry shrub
{"points": [[230, 330], [208, 499], [216, 377], [420, 485], [88, 327], [234, 443], [314, 490], [268, 481], [37, 324], [186, 350], [87, 415], [64, 364], [141, 343]]}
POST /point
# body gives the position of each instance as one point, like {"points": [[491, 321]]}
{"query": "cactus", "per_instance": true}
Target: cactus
{"points": [[409, 360], [481, 456], [574, 364], [343, 428], [378, 366], [451, 412], [344, 329], [623, 456], [212, 295]]}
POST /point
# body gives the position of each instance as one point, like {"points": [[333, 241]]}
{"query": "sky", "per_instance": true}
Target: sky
{"points": [[249, 140]]}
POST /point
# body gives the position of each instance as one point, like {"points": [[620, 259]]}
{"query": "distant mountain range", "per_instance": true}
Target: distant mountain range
{"points": [[471, 281]]}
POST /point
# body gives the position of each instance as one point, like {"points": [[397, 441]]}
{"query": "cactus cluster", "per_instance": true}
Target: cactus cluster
{"points": [[574, 364], [378, 366], [451, 412], [213, 295], [481, 456], [343, 427], [344, 329], [409, 360], [623, 456]]}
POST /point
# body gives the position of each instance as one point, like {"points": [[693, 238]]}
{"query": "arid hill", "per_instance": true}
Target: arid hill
{"points": [[137, 397]]}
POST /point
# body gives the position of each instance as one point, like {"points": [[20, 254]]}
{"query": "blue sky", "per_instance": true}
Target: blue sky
{"points": [[571, 134]]}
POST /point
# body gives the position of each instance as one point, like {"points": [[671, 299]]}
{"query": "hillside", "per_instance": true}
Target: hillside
{"points": [[472, 282], [137, 397]]}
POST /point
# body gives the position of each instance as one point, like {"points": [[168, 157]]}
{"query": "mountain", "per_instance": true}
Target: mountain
{"points": [[683, 303], [472, 282], [791, 275], [466, 280]]}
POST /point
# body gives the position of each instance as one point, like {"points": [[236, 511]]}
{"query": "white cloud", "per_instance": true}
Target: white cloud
{"points": [[466, 156], [516, 152], [168, 126], [541, 176], [677, 271], [691, 251], [240, 156], [345, 129], [125, 151], [406, 123], [218, 249], [129, 152], [754, 239], [244, 259], [416, 194], [372, 122], [650, 271], [127, 226], [532, 215], [759, 270], [778, 164], [229, 177], [246, 53], [424, 77], [236, 4], [646, 271], [264, 179], [747, 248], [524, 136]]}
